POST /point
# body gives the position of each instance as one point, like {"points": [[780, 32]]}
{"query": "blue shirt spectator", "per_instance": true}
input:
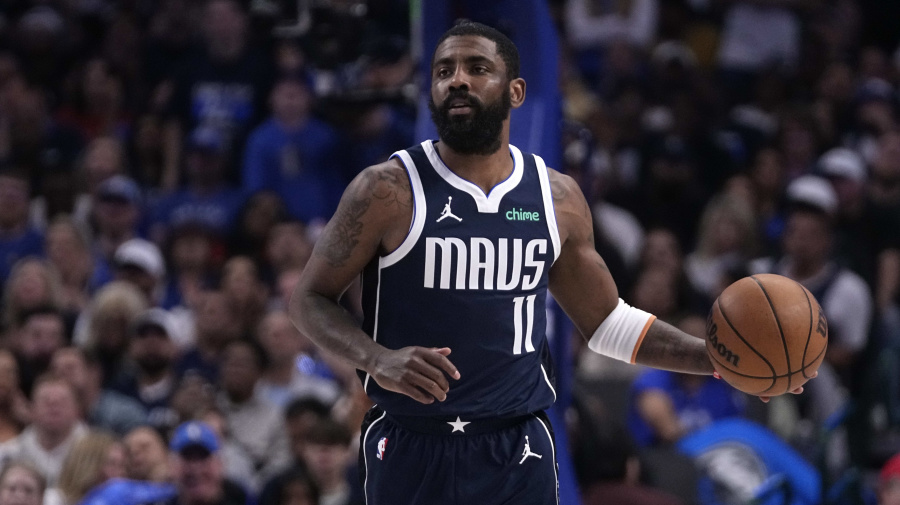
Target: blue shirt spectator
{"points": [[17, 238], [696, 400], [295, 155]]}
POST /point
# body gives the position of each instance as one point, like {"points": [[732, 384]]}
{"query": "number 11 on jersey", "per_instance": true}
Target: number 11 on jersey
{"points": [[523, 316]]}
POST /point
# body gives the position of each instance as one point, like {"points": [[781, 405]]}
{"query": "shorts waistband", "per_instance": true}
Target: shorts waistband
{"points": [[445, 425]]}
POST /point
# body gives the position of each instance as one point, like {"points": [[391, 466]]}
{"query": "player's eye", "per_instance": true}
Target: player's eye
{"points": [[480, 69], [442, 72]]}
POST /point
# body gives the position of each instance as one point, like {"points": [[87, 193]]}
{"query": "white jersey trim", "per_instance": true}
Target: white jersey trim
{"points": [[547, 380], [365, 457], [419, 212], [486, 203], [549, 211], [553, 448]]}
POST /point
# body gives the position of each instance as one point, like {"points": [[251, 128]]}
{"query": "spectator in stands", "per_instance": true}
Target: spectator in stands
{"points": [[103, 408], [889, 482], [294, 487], [295, 155], [17, 238], [55, 427], [193, 253], [327, 455], [104, 327], [808, 257], [21, 484], [93, 460], [140, 263], [287, 247], [147, 458], [255, 424], [216, 326], [197, 468], [96, 107], [261, 212], [665, 406], [153, 380], [115, 215], [223, 87], [32, 283], [284, 379], [206, 199], [68, 251], [245, 292], [590, 26], [37, 143], [13, 405], [238, 464], [37, 335]]}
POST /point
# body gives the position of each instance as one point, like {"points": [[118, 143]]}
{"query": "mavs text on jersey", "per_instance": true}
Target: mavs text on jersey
{"points": [[471, 275]]}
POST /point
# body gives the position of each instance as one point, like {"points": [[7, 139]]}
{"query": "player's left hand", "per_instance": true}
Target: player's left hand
{"points": [[765, 399]]}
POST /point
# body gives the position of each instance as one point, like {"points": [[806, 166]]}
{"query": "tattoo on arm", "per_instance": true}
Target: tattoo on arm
{"points": [[392, 188], [668, 348], [339, 245]]}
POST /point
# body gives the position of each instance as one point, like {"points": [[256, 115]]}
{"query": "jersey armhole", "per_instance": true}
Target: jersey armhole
{"points": [[419, 211], [549, 209]]}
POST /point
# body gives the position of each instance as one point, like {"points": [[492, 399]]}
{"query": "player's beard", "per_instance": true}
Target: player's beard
{"points": [[477, 133]]}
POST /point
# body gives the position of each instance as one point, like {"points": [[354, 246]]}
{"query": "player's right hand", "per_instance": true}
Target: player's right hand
{"points": [[418, 372]]}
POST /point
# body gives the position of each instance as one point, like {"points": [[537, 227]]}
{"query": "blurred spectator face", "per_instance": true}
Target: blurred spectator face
{"points": [[240, 371], [280, 338], [152, 350], [241, 283], [40, 337], [28, 118], [14, 194], [767, 173], [114, 464], [661, 250], [298, 428], [111, 331], [290, 101], [67, 251], [807, 237], [194, 395], [288, 246], [326, 463], [100, 87], [55, 407], [147, 456], [656, 292], [886, 165], [224, 28], [20, 486], [297, 492], [69, 364], [30, 285], [9, 380], [287, 282], [215, 320], [103, 158], [115, 216], [140, 278], [261, 214], [191, 250], [836, 83], [199, 476]]}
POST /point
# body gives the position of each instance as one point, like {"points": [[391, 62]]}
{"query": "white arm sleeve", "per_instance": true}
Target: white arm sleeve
{"points": [[620, 335]]}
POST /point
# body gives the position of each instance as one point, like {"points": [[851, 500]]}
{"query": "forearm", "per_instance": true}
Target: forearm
{"points": [[669, 348], [332, 328]]}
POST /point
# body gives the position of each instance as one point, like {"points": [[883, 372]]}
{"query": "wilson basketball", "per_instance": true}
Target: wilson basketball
{"points": [[766, 335]]}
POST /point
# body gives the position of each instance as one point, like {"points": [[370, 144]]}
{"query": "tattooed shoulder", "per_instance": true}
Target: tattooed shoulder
{"points": [[390, 186]]}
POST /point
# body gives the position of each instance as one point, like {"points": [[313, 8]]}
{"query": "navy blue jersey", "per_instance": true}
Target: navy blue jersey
{"points": [[471, 275]]}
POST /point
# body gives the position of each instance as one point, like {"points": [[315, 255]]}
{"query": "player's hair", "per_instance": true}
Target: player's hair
{"points": [[505, 47]]}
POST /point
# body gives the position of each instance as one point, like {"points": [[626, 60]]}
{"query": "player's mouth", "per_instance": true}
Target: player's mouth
{"points": [[459, 106]]}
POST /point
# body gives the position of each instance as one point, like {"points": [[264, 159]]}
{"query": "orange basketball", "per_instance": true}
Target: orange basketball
{"points": [[766, 335]]}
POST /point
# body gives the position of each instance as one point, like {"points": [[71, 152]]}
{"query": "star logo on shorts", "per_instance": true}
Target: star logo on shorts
{"points": [[458, 425]]}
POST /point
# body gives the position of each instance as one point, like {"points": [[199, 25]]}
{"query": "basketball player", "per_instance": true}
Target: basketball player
{"points": [[458, 241]]}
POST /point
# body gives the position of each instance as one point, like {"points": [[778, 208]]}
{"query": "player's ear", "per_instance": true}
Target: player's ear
{"points": [[517, 92]]}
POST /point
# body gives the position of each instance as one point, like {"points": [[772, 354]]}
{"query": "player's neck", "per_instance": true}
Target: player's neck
{"points": [[485, 171]]}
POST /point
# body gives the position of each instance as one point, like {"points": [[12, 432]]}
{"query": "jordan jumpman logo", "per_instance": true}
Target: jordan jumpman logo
{"points": [[527, 452], [447, 212]]}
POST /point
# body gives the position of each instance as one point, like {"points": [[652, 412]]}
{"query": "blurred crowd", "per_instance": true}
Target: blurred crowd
{"points": [[166, 167]]}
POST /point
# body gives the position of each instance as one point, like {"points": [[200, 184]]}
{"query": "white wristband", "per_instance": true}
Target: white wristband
{"points": [[621, 333]]}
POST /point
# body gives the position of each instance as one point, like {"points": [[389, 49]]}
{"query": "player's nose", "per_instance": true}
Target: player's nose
{"points": [[459, 80]]}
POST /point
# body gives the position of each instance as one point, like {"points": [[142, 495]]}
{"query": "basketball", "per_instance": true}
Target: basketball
{"points": [[766, 335]]}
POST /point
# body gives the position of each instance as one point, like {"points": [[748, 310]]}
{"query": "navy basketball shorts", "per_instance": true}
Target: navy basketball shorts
{"points": [[431, 461]]}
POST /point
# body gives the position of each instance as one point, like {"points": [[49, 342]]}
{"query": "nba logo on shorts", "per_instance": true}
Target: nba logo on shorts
{"points": [[382, 446]]}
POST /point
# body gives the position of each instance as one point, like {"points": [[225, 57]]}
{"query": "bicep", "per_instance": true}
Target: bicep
{"points": [[579, 279]]}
